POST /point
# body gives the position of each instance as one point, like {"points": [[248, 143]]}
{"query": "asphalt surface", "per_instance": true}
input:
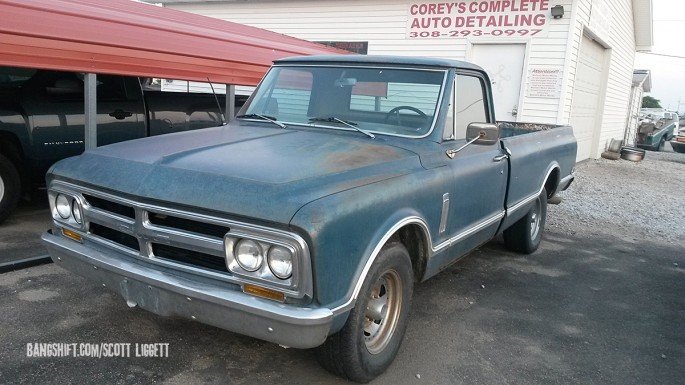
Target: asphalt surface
{"points": [[20, 233], [592, 306]]}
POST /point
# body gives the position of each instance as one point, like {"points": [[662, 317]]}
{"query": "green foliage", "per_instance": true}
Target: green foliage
{"points": [[650, 102]]}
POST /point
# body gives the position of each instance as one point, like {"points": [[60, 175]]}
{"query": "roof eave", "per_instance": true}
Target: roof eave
{"points": [[644, 25]]}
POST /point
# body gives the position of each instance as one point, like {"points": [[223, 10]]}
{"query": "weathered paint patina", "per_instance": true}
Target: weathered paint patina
{"points": [[338, 193]]}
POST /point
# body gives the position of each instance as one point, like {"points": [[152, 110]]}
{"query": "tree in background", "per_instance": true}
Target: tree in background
{"points": [[650, 102]]}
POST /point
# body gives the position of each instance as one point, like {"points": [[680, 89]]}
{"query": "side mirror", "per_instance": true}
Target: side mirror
{"points": [[482, 133]]}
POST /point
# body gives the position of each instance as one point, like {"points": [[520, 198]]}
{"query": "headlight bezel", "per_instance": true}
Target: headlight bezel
{"points": [[74, 204], [296, 282]]}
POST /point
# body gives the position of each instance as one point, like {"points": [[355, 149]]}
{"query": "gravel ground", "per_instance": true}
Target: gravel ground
{"points": [[640, 199]]}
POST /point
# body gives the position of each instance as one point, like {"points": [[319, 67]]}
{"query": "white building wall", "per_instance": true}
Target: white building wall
{"points": [[618, 36], [383, 24]]}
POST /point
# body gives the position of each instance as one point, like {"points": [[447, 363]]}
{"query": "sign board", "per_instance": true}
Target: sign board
{"points": [[358, 47], [476, 18], [543, 82]]}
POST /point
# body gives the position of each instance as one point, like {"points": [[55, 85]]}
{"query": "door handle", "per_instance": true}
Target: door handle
{"points": [[500, 158], [120, 114]]}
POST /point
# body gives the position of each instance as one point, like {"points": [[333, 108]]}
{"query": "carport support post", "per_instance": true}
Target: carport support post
{"points": [[230, 102], [90, 92]]}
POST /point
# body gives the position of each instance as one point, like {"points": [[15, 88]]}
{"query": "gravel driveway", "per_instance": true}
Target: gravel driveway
{"points": [[601, 302], [637, 200]]}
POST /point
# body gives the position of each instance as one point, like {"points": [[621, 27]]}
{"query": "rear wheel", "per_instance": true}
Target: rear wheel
{"points": [[10, 187], [525, 235], [662, 144], [368, 343]]}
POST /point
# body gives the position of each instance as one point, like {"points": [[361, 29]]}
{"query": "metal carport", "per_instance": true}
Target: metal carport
{"points": [[136, 39]]}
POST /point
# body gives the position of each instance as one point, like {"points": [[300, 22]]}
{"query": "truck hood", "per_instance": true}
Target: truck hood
{"points": [[244, 170]]}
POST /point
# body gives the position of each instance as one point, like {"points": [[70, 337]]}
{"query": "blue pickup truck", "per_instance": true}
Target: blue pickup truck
{"points": [[308, 219]]}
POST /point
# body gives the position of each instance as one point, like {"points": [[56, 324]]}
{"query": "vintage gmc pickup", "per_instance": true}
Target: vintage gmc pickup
{"points": [[42, 120], [306, 221]]}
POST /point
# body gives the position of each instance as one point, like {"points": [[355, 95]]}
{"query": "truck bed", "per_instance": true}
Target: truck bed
{"points": [[531, 162]]}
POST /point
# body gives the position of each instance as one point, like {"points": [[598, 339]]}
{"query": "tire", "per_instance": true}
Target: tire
{"points": [[368, 343], [10, 187], [662, 144], [525, 235], [611, 155]]}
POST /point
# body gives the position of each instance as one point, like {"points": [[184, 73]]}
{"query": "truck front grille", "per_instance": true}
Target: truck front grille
{"points": [[115, 236], [109, 206], [190, 257], [157, 233], [174, 222]]}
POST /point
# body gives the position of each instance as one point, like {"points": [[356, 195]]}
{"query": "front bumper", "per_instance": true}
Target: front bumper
{"points": [[172, 293]]}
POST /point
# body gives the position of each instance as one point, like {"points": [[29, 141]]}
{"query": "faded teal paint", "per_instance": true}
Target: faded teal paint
{"points": [[340, 190]]}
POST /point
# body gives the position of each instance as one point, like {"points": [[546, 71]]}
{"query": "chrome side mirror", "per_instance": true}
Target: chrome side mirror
{"points": [[482, 133]]}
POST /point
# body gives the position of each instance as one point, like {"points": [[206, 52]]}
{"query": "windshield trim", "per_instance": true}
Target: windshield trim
{"points": [[438, 103]]}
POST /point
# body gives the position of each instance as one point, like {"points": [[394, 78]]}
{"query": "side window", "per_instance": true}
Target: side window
{"points": [[470, 103], [111, 87]]}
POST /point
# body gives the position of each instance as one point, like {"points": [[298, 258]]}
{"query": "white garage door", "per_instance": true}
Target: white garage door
{"points": [[585, 108]]}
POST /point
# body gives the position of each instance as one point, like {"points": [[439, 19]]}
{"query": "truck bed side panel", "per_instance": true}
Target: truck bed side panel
{"points": [[533, 158]]}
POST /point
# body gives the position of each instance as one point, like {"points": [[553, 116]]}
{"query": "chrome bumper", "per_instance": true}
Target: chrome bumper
{"points": [[171, 293]]}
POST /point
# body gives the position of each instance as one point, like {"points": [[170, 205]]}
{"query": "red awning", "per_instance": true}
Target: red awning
{"points": [[137, 39]]}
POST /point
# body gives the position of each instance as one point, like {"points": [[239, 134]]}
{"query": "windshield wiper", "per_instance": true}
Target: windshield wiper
{"points": [[262, 117], [352, 125]]}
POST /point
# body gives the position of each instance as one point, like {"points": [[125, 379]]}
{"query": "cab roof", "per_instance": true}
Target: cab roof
{"points": [[379, 59]]}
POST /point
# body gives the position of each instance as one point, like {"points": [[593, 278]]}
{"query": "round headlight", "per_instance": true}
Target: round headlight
{"points": [[249, 255], [76, 211], [280, 262], [62, 205]]}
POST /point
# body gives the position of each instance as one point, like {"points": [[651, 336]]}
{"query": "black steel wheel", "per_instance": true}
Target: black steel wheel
{"points": [[368, 343]]}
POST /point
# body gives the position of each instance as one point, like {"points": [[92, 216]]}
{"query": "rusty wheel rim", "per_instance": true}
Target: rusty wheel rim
{"points": [[382, 311], [535, 219]]}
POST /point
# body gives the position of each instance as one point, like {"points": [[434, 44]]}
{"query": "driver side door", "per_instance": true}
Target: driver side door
{"points": [[478, 172]]}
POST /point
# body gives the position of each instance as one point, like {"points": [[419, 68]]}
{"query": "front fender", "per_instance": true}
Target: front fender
{"points": [[345, 231]]}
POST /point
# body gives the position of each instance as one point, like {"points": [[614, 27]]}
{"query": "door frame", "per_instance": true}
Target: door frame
{"points": [[526, 56]]}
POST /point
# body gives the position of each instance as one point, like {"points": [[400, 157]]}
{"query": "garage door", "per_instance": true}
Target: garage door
{"points": [[585, 108]]}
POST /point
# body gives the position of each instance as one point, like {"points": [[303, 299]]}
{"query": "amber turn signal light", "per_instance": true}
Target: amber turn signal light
{"points": [[264, 292], [71, 234]]}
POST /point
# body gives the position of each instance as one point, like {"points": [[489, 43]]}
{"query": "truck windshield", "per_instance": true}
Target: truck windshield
{"points": [[379, 100]]}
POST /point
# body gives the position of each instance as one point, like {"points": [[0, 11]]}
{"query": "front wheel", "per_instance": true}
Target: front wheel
{"points": [[10, 187], [525, 235], [368, 343]]}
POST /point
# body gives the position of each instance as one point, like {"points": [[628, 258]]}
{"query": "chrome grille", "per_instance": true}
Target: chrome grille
{"points": [[157, 233], [190, 257]]}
